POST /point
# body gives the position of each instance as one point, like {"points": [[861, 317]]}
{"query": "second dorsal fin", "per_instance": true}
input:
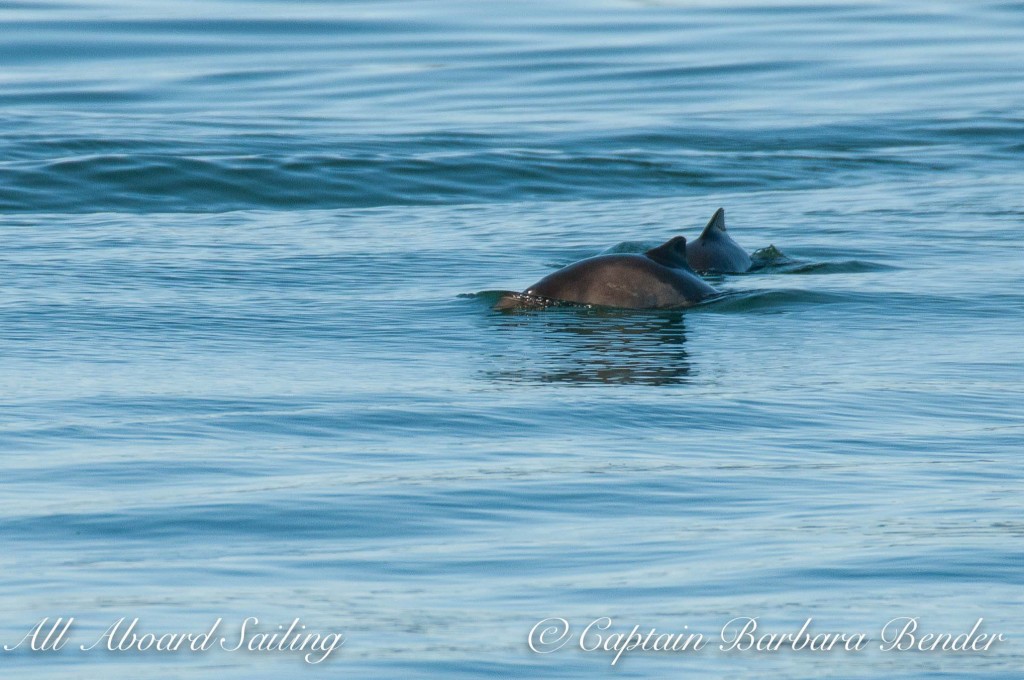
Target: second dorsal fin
{"points": [[715, 225]]}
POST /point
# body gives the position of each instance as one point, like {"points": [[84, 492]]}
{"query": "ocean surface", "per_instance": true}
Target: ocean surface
{"points": [[249, 365]]}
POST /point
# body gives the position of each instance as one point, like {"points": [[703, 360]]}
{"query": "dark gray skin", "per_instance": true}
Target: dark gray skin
{"points": [[658, 279], [715, 251]]}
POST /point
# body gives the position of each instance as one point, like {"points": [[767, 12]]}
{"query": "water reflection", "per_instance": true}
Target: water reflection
{"points": [[591, 346]]}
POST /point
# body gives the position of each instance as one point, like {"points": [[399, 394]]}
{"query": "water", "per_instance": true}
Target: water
{"points": [[249, 366]]}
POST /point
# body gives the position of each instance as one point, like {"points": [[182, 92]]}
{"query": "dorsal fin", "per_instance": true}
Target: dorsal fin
{"points": [[671, 253], [715, 224]]}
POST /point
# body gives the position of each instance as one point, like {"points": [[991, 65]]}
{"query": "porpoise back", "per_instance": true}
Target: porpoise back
{"points": [[657, 279]]}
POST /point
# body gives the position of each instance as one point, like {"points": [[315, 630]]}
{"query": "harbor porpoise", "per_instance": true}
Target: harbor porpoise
{"points": [[715, 251], [657, 279]]}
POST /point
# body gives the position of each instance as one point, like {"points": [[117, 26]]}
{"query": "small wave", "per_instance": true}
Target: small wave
{"points": [[93, 172], [843, 267], [770, 300]]}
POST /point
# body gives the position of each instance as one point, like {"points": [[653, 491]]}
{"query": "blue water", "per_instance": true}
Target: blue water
{"points": [[249, 365]]}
